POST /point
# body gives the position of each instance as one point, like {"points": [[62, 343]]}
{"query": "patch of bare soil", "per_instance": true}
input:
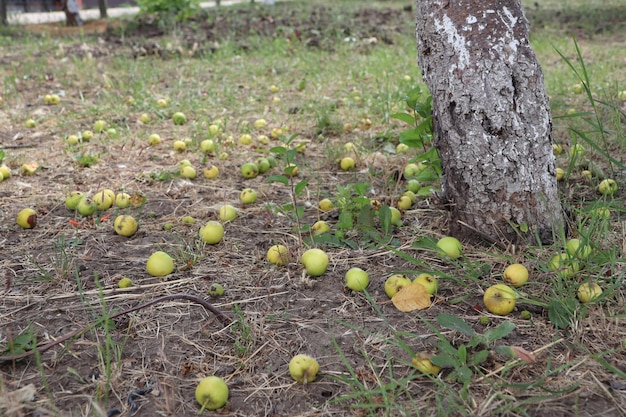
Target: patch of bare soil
{"points": [[62, 277]]}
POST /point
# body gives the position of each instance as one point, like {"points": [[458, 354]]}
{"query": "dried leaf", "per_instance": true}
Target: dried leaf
{"points": [[412, 297], [523, 354]]}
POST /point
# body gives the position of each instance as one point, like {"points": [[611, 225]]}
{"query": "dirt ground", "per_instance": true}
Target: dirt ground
{"points": [[62, 276]]}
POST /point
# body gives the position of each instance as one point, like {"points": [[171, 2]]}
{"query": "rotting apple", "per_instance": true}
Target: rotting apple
{"points": [[428, 281], [160, 264], [212, 232], [395, 283], [500, 299], [607, 187], [425, 366], [249, 170], [85, 206], [216, 290], [125, 225], [303, 368], [27, 218], [315, 261]]}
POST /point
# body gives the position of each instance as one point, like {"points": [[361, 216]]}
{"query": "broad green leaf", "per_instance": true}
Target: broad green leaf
{"points": [[300, 186], [405, 117], [478, 357], [560, 314], [278, 178], [499, 332], [452, 322], [280, 150], [445, 361], [384, 215]]}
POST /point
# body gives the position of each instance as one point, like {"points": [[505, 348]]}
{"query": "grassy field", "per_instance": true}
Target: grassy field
{"points": [[300, 85]]}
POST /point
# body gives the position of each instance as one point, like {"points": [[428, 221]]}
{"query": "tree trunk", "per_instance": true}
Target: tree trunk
{"points": [[102, 5], [491, 119]]}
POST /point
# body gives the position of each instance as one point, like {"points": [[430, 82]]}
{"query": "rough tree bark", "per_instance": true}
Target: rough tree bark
{"points": [[491, 118]]}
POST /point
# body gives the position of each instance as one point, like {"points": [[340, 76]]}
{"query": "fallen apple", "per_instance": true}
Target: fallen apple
{"points": [[259, 124], [577, 150], [162, 103], [557, 148], [30, 169], [411, 195], [248, 196], [144, 118], [500, 299], [263, 140], [212, 172], [99, 126], [263, 164], [249, 170], [278, 255], [588, 291], [216, 290], [349, 146], [160, 264], [245, 139], [413, 185], [212, 232], [291, 170], [188, 172], [395, 283], [72, 200], [515, 275], [396, 216], [425, 366], [402, 148], [212, 393], [125, 283], [564, 265], [404, 202], [125, 225], [575, 248], [86, 207], [357, 279], [347, 163], [122, 200], [315, 261], [5, 171], [428, 281], [274, 89], [450, 247], [207, 146], [103, 200], [325, 205], [27, 218], [412, 170], [179, 118], [30, 123], [227, 213], [87, 135], [607, 187], [320, 227], [303, 368], [179, 146], [154, 139], [560, 174]]}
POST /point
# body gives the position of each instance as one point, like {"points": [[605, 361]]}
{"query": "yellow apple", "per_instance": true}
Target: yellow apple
{"points": [[87, 135], [99, 126], [160, 264], [589, 291], [260, 124], [144, 118], [357, 279], [5, 171], [278, 255], [564, 265], [515, 275], [212, 232], [428, 281], [320, 227], [212, 172], [303, 368], [500, 299], [405, 202], [207, 146], [188, 172], [402, 148], [248, 196], [212, 393], [347, 163], [607, 187], [122, 200], [315, 261], [227, 213], [560, 174], [125, 225], [395, 283], [104, 199], [326, 205], [71, 201], [154, 139], [27, 218], [396, 216], [179, 145], [425, 365]]}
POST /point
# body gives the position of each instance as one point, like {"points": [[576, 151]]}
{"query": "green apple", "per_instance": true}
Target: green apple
{"points": [[122, 200], [188, 172], [104, 199], [515, 274], [325, 205], [216, 290], [125, 283], [125, 225], [187, 220], [349, 146], [154, 139], [357, 279], [248, 196], [184, 163], [500, 299], [162, 103], [557, 148], [278, 255], [263, 139], [5, 172], [212, 172], [72, 200], [179, 146], [577, 88], [30, 123], [160, 264], [589, 291], [207, 146], [274, 89], [402, 148], [404, 202], [99, 126], [396, 216], [347, 163], [212, 232], [320, 227], [179, 118], [212, 393], [428, 281], [411, 195], [412, 170], [144, 118], [315, 261], [87, 135], [564, 265], [249, 170], [303, 368], [577, 150], [291, 170], [450, 247], [214, 129], [413, 185], [575, 248], [27, 218], [607, 187], [395, 283], [227, 213], [86, 207], [263, 164]]}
